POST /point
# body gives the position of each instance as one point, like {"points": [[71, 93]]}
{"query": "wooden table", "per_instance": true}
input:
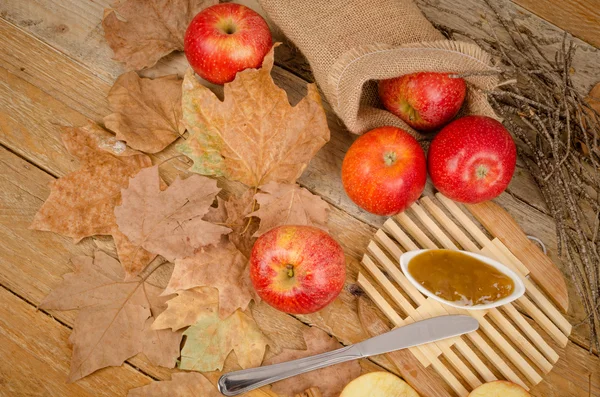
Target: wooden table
{"points": [[56, 69]]}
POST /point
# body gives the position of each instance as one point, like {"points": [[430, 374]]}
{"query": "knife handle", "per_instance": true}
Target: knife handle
{"points": [[239, 382]]}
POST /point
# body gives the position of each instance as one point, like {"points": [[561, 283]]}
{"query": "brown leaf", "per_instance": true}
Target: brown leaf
{"points": [[81, 204], [114, 320], [593, 98], [222, 267], [188, 307], [254, 136], [285, 204], [329, 380], [147, 113], [210, 340], [168, 222], [140, 32], [190, 384], [218, 214], [243, 226]]}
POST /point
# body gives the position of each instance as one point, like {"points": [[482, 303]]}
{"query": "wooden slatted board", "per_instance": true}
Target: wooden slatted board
{"points": [[506, 346]]}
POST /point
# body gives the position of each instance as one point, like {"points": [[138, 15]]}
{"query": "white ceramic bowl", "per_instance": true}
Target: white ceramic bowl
{"points": [[516, 294]]}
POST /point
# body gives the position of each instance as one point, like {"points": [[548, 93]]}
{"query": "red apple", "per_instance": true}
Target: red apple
{"points": [[297, 269], [224, 39], [472, 159], [425, 101], [384, 171]]}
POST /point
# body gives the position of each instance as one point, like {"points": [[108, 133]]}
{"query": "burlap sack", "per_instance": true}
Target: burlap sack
{"points": [[352, 43]]}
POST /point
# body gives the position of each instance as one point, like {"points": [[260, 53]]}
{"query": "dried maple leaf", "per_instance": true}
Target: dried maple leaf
{"points": [[81, 203], [188, 307], [114, 319], [140, 32], [210, 340], [329, 380], [189, 384], [147, 113], [243, 226], [254, 136], [168, 222], [285, 204], [222, 267]]}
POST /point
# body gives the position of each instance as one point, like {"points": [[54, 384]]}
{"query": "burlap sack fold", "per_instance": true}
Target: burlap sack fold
{"points": [[351, 44]]}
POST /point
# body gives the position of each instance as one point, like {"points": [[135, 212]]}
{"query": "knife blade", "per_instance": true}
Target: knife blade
{"points": [[417, 333]]}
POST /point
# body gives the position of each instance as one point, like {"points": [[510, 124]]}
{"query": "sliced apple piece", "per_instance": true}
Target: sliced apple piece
{"points": [[499, 388], [378, 384]]}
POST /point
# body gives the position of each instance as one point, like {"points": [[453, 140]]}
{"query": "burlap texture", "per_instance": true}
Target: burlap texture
{"points": [[352, 43]]}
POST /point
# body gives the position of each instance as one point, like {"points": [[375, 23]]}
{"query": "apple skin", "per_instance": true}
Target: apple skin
{"points": [[224, 39], [472, 159], [384, 171], [425, 101], [297, 269]]}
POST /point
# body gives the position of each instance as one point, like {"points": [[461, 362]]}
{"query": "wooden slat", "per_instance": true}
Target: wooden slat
{"points": [[371, 291], [392, 227], [447, 224], [414, 230]]}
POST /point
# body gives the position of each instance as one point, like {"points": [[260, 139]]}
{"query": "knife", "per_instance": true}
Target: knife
{"points": [[417, 333]]}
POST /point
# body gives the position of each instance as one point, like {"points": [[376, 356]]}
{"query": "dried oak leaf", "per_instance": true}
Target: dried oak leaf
{"points": [[254, 136], [147, 113], [114, 319], [210, 340], [188, 307], [329, 380], [168, 222], [81, 204], [286, 204], [222, 267], [189, 384], [140, 32]]}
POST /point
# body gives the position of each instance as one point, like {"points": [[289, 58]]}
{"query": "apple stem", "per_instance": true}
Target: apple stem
{"points": [[389, 158], [290, 269], [481, 171]]}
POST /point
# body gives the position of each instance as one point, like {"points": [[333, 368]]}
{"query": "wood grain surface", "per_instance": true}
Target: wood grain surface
{"points": [[581, 18], [56, 68]]}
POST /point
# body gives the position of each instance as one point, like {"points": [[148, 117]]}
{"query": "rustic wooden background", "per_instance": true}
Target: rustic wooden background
{"points": [[56, 69]]}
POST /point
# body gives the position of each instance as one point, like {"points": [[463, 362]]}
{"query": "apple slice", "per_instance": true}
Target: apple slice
{"points": [[378, 384], [499, 388]]}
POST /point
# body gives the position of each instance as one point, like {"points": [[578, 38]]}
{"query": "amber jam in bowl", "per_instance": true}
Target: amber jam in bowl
{"points": [[461, 279]]}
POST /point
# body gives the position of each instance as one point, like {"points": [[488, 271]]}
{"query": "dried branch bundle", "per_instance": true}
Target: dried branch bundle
{"points": [[557, 136]]}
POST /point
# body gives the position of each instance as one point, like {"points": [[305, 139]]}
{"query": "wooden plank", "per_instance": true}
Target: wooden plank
{"points": [[581, 18], [36, 357]]}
